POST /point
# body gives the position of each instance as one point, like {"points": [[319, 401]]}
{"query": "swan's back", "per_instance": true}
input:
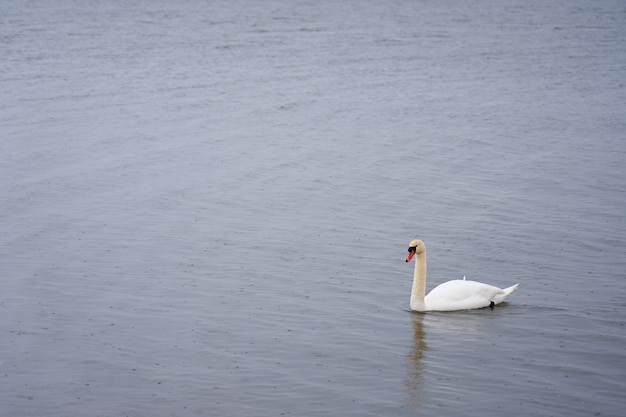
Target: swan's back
{"points": [[465, 295]]}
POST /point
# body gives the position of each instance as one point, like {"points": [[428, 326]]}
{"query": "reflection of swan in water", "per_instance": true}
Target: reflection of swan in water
{"points": [[416, 356], [452, 295]]}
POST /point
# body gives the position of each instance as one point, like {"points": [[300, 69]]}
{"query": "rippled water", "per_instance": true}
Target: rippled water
{"points": [[206, 207]]}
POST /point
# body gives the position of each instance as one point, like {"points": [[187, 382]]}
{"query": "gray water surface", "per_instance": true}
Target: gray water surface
{"points": [[206, 207]]}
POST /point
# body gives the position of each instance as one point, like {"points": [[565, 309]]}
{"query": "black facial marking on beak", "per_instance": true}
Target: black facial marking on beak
{"points": [[411, 253]]}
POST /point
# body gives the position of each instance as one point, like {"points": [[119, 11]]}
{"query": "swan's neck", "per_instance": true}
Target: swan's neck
{"points": [[419, 283]]}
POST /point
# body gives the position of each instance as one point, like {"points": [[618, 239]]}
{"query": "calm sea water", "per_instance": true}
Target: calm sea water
{"points": [[206, 207]]}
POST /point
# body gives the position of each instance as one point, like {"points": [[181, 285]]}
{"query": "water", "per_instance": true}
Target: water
{"points": [[206, 207]]}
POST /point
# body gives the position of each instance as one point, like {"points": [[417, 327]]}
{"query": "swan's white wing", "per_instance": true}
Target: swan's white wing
{"points": [[462, 295]]}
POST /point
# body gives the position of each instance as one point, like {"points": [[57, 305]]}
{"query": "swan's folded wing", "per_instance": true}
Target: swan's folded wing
{"points": [[462, 295]]}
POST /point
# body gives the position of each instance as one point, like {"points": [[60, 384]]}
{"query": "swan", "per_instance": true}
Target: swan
{"points": [[458, 294]]}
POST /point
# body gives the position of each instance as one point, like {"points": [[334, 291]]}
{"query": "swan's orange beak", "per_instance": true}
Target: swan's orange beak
{"points": [[410, 255]]}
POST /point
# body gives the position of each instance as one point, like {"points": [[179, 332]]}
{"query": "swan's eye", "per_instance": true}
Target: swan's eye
{"points": [[412, 248]]}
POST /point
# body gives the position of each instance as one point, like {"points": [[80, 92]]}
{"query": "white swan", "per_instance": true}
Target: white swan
{"points": [[457, 294]]}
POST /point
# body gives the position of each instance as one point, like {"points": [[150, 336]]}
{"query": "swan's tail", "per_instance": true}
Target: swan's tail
{"points": [[500, 298]]}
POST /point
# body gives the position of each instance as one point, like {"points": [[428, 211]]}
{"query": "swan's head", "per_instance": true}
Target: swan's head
{"points": [[416, 247]]}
